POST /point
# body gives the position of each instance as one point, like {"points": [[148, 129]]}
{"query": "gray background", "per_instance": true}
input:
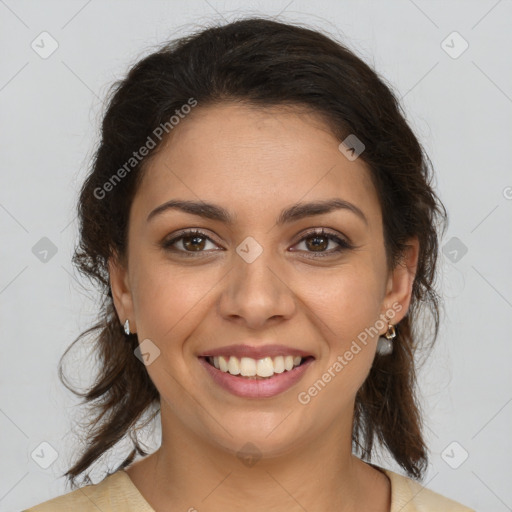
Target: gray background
{"points": [[460, 106]]}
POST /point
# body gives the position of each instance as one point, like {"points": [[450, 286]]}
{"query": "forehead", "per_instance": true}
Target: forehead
{"points": [[251, 158]]}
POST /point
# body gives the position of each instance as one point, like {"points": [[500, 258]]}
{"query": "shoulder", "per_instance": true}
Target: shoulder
{"points": [[115, 493], [408, 495]]}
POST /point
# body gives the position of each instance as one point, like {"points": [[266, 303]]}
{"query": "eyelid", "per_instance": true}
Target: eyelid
{"points": [[324, 232]]}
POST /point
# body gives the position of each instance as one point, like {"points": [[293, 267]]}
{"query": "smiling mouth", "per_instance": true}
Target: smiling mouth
{"points": [[252, 369]]}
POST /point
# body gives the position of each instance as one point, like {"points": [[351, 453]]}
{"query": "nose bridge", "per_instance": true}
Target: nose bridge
{"points": [[255, 291]]}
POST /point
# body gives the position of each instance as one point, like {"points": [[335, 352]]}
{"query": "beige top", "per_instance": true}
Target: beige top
{"points": [[117, 493]]}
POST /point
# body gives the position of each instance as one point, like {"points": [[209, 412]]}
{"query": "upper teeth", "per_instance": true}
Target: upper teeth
{"points": [[248, 367]]}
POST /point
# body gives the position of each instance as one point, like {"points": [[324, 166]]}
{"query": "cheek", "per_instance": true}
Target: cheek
{"points": [[168, 298], [347, 300], [346, 309]]}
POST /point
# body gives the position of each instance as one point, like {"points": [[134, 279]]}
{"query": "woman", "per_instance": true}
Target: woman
{"points": [[261, 220]]}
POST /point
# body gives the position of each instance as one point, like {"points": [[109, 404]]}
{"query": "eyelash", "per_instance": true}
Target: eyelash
{"points": [[343, 244]]}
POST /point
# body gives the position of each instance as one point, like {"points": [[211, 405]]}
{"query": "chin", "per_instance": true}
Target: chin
{"points": [[269, 439]]}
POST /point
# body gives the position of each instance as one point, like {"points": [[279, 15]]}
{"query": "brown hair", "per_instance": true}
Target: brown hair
{"points": [[262, 63]]}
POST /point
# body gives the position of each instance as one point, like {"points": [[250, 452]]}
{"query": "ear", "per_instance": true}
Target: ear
{"points": [[401, 278], [121, 293]]}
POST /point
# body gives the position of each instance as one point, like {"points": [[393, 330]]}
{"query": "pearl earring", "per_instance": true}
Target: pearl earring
{"points": [[127, 327], [385, 345]]}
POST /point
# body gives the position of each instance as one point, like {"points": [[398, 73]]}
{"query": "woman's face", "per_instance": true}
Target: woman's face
{"points": [[261, 279]]}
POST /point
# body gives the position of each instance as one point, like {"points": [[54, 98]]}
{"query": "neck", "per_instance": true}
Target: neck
{"points": [[189, 472]]}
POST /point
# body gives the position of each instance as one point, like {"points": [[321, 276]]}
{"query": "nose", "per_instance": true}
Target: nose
{"points": [[256, 293]]}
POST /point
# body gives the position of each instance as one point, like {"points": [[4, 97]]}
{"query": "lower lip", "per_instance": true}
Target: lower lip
{"points": [[256, 388]]}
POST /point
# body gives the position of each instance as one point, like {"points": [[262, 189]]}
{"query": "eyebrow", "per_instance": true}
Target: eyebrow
{"points": [[291, 214]]}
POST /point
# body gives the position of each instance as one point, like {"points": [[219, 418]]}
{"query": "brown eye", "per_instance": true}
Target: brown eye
{"points": [[194, 242], [319, 241], [188, 242]]}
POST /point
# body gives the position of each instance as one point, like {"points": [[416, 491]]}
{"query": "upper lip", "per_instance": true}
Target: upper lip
{"points": [[255, 352]]}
